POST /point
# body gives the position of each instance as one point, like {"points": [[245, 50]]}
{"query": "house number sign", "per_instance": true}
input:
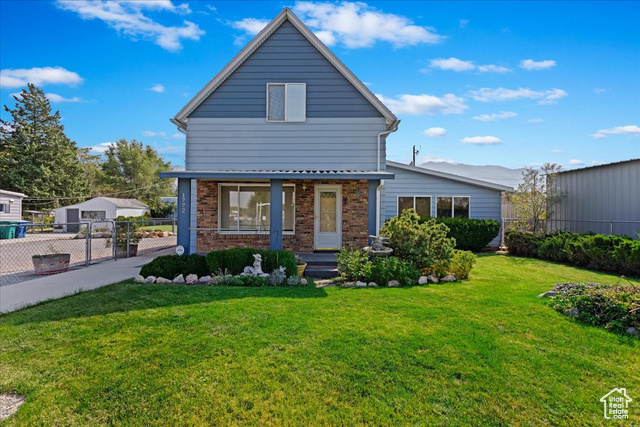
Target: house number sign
{"points": [[183, 203]]}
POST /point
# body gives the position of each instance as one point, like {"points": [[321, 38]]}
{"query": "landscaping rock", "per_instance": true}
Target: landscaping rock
{"points": [[138, 279], [373, 285], [433, 278], [205, 279], [574, 312], [423, 280], [393, 284], [163, 280], [348, 284], [150, 279], [106, 234], [145, 234], [79, 236], [303, 282], [448, 278], [361, 284], [179, 279], [191, 279], [633, 331], [547, 294]]}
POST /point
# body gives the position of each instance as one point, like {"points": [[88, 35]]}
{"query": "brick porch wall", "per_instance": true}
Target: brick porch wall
{"points": [[354, 218]]}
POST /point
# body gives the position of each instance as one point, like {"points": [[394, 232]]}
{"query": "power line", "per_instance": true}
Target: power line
{"points": [[53, 199]]}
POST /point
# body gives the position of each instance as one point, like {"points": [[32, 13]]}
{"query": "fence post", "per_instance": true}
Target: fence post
{"points": [[173, 225], [114, 240], [88, 243], [128, 232]]}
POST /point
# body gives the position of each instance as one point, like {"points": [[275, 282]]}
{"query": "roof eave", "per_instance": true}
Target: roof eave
{"points": [[275, 175]]}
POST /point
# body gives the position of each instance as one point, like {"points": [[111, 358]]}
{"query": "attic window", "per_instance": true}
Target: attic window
{"points": [[286, 102]]}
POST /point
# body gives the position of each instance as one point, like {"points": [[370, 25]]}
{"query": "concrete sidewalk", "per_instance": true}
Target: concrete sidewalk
{"points": [[19, 295]]}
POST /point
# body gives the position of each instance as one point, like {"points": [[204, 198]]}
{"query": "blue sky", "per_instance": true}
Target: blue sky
{"points": [[508, 83]]}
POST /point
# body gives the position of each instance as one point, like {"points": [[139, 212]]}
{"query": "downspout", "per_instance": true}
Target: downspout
{"points": [[392, 128]]}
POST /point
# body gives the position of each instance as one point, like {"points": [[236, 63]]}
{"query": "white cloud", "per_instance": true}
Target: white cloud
{"points": [[436, 159], [10, 78], [481, 140], [435, 132], [129, 18], [598, 90], [357, 25], [495, 116], [453, 64], [251, 26], [463, 23], [53, 97], [576, 162], [157, 88], [152, 134], [486, 94], [531, 65], [490, 68], [101, 148], [178, 135], [618, 130], [425, 104], [557, 151], [535, 120]]}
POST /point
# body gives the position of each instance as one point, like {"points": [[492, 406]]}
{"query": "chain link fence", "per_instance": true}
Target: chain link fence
{"points": [[30, 250]]}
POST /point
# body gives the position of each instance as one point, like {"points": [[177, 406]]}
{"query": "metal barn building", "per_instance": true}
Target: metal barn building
{"points": [[603, 199]]}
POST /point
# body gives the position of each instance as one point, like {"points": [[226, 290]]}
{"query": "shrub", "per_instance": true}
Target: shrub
{"points": [[170, 266], [471, 234], [461, 264], [235, 260], [385, 269], [226, 280], [523, 243], [253, 281], [277, 277], [294, 281], [424, 243], [354, 264], [616, 307]]}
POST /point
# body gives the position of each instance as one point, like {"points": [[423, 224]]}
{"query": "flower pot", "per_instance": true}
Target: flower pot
{"points": [[301, 268], [51, 264], [122, 252]]}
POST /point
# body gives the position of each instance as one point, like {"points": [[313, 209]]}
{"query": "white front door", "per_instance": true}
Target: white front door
{"points": [[328, 217]]}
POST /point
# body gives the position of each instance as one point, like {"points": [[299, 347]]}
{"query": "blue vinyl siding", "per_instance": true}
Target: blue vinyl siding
{"points": [[484, 203], [286, 57]]}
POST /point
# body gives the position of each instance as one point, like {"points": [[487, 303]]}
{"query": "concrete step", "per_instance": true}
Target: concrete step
{"points": [[321, 271]]}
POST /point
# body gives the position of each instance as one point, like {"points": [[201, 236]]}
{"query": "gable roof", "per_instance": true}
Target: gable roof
{"points": [[452, 177], [13, 193], [180, 119], [125, 203]]}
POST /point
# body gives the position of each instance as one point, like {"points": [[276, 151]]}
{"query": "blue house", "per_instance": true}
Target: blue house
{"points": [[285, 148]]}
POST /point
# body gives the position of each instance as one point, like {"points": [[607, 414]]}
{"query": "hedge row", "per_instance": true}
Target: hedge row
{"points": [[471, 234], [232, 261], [618, 254]]}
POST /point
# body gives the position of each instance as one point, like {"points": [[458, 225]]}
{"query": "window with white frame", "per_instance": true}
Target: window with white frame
{"points": [[453, 206], [244, 208], [4, 207], [94, 214], [421, 204], [286, 102]]}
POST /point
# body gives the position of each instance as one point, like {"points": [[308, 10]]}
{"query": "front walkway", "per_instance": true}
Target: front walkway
{"points": [[16, 296]]}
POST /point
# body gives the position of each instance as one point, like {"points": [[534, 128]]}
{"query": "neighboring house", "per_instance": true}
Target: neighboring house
{"points": [[285, 148], [11, 205], [174, 202], [601, 199], [440, 194], [98, 208]]}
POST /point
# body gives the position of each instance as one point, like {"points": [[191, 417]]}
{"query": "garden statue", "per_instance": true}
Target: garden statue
{"points": [[256, 270], [378, 246]]}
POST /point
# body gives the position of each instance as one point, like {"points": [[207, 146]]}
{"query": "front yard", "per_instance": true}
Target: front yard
{"points": [[483, 352]]}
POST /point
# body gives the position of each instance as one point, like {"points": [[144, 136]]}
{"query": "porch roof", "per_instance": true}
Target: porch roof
{"points": [[279, 174]]}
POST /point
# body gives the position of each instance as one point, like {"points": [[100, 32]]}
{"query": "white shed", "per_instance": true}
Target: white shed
{"points": [[98, 208], [11, 205]]}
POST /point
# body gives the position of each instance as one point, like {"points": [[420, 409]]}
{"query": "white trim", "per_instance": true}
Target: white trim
{"points": [[238, 60], [286, 102], [458, 178], [252, 184], [431, 198], [452, 204]]}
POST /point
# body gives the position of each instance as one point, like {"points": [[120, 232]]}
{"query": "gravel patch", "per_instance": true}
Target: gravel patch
{"points": [[9, 404]]}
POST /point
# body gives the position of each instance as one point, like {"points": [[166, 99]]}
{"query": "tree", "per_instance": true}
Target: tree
{"points": [[535, 197], [36, 157], [132, 168]]}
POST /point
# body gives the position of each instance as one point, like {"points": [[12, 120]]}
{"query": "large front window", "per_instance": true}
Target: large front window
{"points": [[421, 204], [456, 207], [246, 208]]}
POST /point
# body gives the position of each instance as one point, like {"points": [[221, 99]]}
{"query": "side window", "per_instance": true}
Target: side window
{"points": [[421, 204], [286, 102]]}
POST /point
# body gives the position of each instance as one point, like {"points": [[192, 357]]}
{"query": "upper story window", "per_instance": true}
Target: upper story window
{"points": [[286, 102]]}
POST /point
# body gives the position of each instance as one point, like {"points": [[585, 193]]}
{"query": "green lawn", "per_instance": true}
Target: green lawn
{"points": [[484, 352], [164, 227]]}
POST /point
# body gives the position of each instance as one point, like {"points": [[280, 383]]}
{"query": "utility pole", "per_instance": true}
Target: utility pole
{"points": [[415, 153]]}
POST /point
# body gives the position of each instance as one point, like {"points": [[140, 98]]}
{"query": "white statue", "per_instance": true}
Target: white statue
{"points": [[256, 270]]}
